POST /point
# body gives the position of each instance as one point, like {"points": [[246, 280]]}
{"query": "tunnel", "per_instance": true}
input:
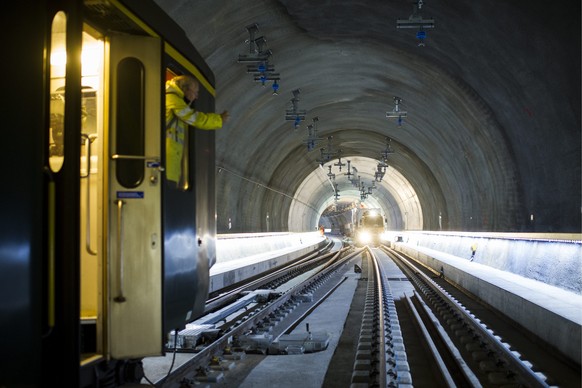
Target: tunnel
{"points": [[487, 132]]}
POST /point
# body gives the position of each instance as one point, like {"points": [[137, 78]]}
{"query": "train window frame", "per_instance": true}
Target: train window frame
{"points": [[130, 99], [57, 83], [172, 70]]}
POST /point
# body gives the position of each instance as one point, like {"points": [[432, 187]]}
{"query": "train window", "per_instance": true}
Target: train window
{"points": [[130, 136], [58, 64]]}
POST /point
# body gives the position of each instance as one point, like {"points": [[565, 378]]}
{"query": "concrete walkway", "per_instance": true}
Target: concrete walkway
{"points": [[308, 370]]}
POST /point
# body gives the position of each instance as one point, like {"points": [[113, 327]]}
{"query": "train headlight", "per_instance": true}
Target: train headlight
{"points": [[365, 237]]}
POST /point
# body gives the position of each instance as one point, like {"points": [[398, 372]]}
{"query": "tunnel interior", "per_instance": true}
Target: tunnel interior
{"points": [[491, 136]]}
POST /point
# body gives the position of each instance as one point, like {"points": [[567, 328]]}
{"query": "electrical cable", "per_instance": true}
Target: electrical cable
{"points": [[161, 382]]}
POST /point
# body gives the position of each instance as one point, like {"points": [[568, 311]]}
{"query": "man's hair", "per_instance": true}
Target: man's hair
{"points": [[184, 80]]}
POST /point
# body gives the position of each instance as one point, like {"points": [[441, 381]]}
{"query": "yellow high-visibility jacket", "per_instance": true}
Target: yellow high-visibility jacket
{"points": [[179, 115]]}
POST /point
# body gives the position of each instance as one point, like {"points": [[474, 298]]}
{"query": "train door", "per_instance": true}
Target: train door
{"points": [[90, 196], [134, 234]]}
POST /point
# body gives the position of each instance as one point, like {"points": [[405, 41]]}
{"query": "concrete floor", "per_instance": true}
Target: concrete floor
{"points": [[307, 370]]}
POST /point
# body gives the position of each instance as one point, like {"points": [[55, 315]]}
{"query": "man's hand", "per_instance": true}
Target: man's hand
{"points": [[225, 115]]}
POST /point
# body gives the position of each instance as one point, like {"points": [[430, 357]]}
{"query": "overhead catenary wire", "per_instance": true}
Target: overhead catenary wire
{"points": [[221, 168]]}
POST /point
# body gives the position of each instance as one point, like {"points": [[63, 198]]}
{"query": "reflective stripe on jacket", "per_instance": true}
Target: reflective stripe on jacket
{"points": [[178, 116]]}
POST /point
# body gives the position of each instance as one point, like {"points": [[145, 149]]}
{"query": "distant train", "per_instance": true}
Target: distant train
{"points": [[370, 227], [100, 256]]}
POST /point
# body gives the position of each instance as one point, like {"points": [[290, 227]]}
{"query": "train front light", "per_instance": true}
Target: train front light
{"points": [[365, 237]]}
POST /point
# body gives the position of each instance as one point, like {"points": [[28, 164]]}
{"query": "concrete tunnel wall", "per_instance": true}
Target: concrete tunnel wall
{"points": [[240, 257], [492, 136], [541, 258]]}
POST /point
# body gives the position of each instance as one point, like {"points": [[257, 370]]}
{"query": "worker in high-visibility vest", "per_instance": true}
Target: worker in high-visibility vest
{"points": [[473, 251], [181, 91]]}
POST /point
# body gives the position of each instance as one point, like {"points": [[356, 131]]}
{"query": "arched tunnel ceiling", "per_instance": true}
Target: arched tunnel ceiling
{"points": [[391, 193], [491, 140]]}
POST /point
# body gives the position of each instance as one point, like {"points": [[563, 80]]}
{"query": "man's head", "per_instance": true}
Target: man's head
{"points": [[189, 85]]}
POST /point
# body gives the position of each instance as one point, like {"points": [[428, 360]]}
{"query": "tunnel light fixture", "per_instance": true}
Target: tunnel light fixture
{"points": [[387, 151], [383, 164], [258, 59], [295, 114], [396, 112], [417, 21], [356, 181], [257, 52], [330, 150], [349, 173], [330, 174], [380, 171], [339, 163], [267, 75], [312, 138], [260, 68], [327, 153], [252, 29], [275, 87], [322, 158]]}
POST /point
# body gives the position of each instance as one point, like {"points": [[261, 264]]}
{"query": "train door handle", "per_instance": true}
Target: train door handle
{"points": [[152, 162], [87, 140]]}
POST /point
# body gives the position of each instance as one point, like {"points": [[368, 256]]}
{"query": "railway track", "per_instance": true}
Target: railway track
{"points": [[470, 342], [430, 335], [432, 339], [251, 318]]}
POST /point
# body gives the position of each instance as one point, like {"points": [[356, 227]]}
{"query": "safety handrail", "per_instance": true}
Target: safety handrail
{"points": [[51, 220], [120, 298], [135, 157], [88, 139]]}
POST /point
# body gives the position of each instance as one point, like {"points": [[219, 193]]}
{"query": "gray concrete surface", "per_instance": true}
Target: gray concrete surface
{"points": [[551, 258], [308, 370], [238, 246]]}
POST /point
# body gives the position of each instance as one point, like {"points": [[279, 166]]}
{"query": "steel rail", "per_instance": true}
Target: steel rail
{"points": [[223, 298], [505, 359], [470, 378], [296, 323], [205, 355], [381, 326]]}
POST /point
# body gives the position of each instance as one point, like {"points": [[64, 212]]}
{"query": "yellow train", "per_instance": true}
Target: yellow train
{"points": [[100, 257]]}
